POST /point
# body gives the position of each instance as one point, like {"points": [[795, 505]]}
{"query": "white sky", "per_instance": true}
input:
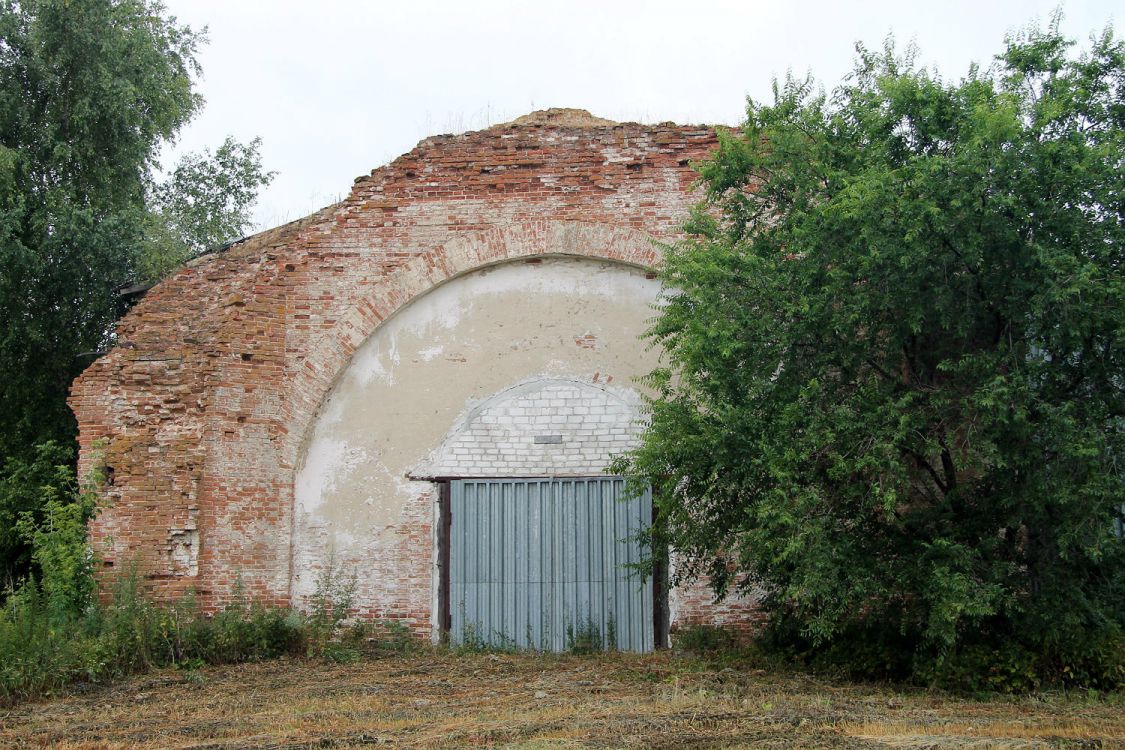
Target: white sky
{"points": [[337, 88]]}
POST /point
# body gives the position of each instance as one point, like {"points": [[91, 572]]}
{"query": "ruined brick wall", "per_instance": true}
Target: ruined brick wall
{"points": [[694, 604], [200, 411]]}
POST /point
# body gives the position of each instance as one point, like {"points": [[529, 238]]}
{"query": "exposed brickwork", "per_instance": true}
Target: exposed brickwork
{"points": [[541, 429], [201, 409], [695, 604]]}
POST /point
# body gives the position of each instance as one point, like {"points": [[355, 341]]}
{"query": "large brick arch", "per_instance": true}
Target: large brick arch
{"points": [[362, 498], [425, 272], [310, 385]]}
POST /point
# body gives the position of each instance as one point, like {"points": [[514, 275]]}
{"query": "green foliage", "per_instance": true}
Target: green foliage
{"points": [[896, 393], [584, 638], [1010, 668], [476, 640], [58, 543], [339, 653], [24, 483], [247, 632], [53, 631], [379, 637], [393, 636], [702, 639], [90, 91], [39, 653], [330, 604], [131, 633], [204, 202], [36, 656]]}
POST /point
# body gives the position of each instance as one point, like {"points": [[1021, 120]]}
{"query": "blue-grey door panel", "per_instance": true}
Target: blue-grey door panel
{"points": [[546, 564]]}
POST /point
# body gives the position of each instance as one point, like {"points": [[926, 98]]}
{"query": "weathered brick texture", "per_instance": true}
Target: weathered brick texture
{"points": [[200, 410]]}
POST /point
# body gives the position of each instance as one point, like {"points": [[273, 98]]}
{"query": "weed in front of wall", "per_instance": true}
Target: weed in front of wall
{"points": [[588, 638]]}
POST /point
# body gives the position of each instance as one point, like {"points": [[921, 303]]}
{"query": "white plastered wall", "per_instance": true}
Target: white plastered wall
{"points": [[520, 369]]}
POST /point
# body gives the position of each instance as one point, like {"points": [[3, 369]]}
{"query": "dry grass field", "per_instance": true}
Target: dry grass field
{"points": [[438, 699]]}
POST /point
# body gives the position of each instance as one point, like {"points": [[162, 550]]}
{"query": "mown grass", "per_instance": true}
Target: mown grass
{"points": [[438, 698]]}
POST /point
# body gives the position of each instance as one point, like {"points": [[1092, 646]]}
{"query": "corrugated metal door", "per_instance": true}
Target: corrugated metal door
{"points": [[543, 564]]}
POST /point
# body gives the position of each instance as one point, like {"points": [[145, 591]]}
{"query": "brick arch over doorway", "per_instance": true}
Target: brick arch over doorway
{"points": [[200, 410], [538, 239], [502, 356]]}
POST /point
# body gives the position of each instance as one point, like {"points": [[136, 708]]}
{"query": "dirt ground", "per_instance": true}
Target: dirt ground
{"points": [[438, 699]]}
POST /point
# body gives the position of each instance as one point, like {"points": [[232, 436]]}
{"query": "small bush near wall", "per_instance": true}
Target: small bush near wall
{"points": [[702, 639], [41, 652], [54, 631]]}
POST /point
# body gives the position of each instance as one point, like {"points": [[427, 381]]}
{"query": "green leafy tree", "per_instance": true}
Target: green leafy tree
{"points": [[896, 392], [57, 536], [90, 91], [205, 201], [25, 486]]}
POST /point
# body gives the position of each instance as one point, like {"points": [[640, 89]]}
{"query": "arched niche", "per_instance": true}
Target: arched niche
{"points": [[554, 342]]}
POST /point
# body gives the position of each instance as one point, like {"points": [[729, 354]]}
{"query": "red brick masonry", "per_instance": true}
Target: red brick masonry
{"points": [[201, 409]]}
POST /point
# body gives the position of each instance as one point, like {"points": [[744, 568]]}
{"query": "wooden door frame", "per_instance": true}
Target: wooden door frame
{"points": [[444, 520]]}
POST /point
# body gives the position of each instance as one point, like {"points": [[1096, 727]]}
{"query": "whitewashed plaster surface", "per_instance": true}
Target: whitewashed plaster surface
{"points": [[514, 370]]}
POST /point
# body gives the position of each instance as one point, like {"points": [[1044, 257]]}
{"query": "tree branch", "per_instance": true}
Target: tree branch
{"points": [[922, 463]]}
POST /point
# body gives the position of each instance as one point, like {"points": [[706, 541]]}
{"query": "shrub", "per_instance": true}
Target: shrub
{"points": [[54, 632], [893, 398], [379, 636], [587, 637], [702, 639], [37, 656], [23, 484], [242, 632], [136, 634], [331, 602]]}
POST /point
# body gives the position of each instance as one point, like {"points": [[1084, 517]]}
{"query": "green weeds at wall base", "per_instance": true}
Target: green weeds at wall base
{"points": [[41, 652]]}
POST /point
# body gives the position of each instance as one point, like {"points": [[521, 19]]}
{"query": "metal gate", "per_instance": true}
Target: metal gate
{"points": [[544, 564]]}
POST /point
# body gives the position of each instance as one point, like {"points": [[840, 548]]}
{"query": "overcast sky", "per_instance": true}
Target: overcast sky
{"points": [[337, 88]]}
